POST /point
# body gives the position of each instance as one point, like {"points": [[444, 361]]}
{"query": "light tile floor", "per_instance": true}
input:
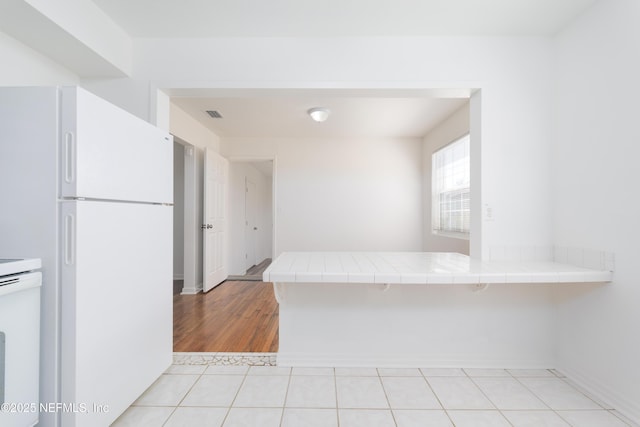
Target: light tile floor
{"points": [[269, 396]]}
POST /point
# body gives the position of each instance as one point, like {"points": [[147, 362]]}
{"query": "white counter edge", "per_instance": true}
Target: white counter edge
{"points": [[478, 272]]}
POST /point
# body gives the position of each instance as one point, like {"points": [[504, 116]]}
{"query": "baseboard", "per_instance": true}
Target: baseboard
{"points": [[191, 291], [400, 361], [611, 398], [178, 277], [245, 278]]}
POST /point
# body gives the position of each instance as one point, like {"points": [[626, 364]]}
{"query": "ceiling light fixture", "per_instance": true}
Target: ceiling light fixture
{"points": [[319, 114]]}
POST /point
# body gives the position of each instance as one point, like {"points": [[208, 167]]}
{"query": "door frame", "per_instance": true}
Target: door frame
{"points": [[249, 236], [274, 192], [190, 232]]}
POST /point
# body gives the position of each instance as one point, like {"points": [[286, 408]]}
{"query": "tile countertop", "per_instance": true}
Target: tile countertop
{"points": [[420, 268]]}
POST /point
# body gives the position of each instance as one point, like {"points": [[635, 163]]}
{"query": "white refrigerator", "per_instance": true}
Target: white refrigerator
{"points": [[88, 188]]}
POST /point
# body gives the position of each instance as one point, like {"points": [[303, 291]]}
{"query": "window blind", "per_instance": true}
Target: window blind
{"points": [[450, 187]]}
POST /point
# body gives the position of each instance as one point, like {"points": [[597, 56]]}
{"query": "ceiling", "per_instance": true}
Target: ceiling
{"points": [[283, 113], [329, 18]]}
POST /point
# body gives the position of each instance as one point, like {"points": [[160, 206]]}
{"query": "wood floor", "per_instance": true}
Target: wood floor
{"points": [[257, 270], [254, 272], [236, 316]]}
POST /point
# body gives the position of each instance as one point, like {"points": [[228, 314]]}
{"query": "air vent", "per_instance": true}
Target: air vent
{"points": [[215, 114]]}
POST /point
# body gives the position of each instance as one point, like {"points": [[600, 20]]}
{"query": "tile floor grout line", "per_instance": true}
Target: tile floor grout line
{"points": [[508, 420], [335, 386], [562, 418], [386, 396], [175, 408], [483, 393], [534, 393], [226, 416], [557, 411], [525, 387], [489, 399], [282, 413], [585, 393], [286, 395], [573, 387], [437, 398], [614, 413]]}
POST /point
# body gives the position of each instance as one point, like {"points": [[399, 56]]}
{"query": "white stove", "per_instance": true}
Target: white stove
{"points": [[19, 341], [17, 266]]}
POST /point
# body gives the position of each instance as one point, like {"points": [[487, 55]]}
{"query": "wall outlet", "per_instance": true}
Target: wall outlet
{"points": [[487, 212]]}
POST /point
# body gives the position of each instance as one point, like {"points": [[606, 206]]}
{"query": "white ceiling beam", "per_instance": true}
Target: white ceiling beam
{"points": [[74, 33]]}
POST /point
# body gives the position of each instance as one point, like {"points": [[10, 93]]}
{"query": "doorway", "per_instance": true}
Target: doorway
{"points": [[241, 314], [185, 217], [251, 219], [178, 217]]}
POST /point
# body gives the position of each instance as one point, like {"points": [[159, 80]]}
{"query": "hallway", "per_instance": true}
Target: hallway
{"points": [[236, 316]]}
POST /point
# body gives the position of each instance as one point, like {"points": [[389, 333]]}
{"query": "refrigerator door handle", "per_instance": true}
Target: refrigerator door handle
{"points": [[69, 239], [69, 155]]}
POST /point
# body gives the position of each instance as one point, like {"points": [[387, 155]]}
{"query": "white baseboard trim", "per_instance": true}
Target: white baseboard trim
{"points": [[611, 398], [190, 291], [178, 277], [400, 361]]}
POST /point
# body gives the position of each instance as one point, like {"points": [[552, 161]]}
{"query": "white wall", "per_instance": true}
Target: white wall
{"points": [[512, 73], [505, 326], [343, 194], [129, 94], [238, 173], [192, 131], [595, 174], [23, 66], [453, 127]]}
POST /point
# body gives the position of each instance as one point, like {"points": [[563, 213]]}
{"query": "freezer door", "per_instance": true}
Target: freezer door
{"points": [[117, 308], [108, 153]]}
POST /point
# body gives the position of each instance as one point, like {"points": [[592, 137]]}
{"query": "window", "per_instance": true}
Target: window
{"points": [[450, 189]]}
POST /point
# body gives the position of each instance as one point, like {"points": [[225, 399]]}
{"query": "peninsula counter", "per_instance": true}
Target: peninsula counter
{"points": [[419, 309]]}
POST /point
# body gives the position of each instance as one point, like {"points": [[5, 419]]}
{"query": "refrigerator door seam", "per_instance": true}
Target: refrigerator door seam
{"points": [[91, 199]]}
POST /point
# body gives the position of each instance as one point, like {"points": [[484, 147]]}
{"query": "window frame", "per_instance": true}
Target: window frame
{"points": [[436, 195]]}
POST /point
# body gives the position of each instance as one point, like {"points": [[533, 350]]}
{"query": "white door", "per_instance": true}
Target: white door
{"points": [[250, 224], [214, 242]]}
